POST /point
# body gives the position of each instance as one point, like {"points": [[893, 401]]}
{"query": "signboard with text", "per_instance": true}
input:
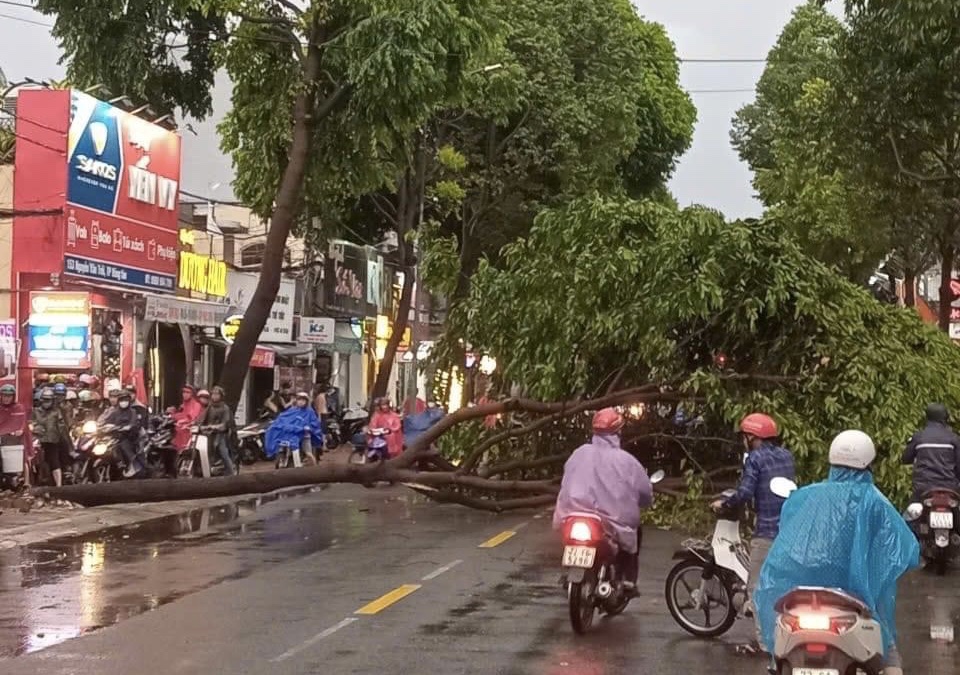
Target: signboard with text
{"points": [[58, 330], [122, 197], [8, 348], [317, 330], [279, 325]]}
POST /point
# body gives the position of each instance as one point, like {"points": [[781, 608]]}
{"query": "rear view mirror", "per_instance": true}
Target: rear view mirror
{"points": [[657, 476], [782, 487]]}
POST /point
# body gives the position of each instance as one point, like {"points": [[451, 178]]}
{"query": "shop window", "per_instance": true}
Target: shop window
{"points": [[108, 325]]}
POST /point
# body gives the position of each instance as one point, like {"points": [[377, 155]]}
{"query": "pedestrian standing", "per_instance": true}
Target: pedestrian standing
{"points": [[217, 418], [50, 429]]}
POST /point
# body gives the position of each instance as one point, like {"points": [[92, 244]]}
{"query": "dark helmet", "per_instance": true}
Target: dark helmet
{"points": [[218, 390], [125, 395], [937, 412], [60, 389]]}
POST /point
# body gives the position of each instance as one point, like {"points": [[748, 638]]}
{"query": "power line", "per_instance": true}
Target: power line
{"points": [[25, 20]]}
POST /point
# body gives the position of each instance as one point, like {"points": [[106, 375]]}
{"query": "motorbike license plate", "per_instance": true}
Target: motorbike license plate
{"points": [[816, 671], [941, 520], [579, 556]]}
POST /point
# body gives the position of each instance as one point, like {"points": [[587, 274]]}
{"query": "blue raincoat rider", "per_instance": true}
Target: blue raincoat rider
{"points": [[289, 425], [841, 533]]}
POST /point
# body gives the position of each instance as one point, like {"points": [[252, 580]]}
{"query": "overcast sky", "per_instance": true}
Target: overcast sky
{"points": [[710, 173]]}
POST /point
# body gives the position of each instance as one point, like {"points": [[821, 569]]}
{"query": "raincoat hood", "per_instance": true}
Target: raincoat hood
{"points": [[842, 533]]}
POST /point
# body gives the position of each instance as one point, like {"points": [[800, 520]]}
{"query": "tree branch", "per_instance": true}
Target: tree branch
{"points": [[292, 7], [517, 464], [912, 174], [494, 506]]}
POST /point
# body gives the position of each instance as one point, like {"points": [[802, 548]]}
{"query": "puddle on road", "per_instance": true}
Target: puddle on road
{"points": [[59, 589]]}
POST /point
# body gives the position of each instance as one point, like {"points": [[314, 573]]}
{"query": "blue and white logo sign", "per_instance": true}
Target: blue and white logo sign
{"points": [[317, 330], [118, 274], [95, 153]]}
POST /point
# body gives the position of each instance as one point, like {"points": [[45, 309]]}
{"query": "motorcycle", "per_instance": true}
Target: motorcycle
{"points": [[252, 438], [159, 448], [11, 460], [590, 572], [373, 450], [710, 579], [101, 449], [288, 456], [824, 631], [197, 461], [934, 521], [352, 421]]}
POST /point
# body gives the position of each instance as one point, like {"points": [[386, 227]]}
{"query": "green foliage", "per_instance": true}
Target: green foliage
{"points": [[689, 512], [607, 284]]}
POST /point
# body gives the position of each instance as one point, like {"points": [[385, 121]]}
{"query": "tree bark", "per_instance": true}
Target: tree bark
{"points": [[910, 289], [399, 327], [947, 254]]}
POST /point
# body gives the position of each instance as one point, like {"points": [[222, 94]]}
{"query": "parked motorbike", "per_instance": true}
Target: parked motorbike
{"points": [[252, 439], [375, 448], [824, 631], [352, 421], [934, 521], [200, 460], [11, 461], [288, 456], [706, 591], [589, 568]]}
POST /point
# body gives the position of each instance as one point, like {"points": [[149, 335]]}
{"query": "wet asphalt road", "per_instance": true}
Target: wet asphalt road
{"points": [[276, 587]]}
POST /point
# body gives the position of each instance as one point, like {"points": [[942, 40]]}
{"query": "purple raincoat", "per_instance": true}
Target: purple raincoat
{"points": [[604, 479]]}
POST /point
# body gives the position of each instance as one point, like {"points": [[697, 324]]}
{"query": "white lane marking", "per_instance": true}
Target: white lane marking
{"points": [[316, 638], [521, 526], [440, 570]]}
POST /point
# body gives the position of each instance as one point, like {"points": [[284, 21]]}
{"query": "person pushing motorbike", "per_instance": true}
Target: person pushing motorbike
{"points": [[601, 477], [934, 452], [870, 546], [218, 418], [765, 460]]}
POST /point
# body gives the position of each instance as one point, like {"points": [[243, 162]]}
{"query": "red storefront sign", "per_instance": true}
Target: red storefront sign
{"points": [[263, 358], [119, 192]]}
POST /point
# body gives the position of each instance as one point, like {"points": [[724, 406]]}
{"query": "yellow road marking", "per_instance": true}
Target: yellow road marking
{"points": [[497, 540], [384, 601]]}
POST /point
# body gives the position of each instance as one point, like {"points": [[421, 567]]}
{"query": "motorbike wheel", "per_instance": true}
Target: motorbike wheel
{"points": [[685, 578], [248, 451], [101, 473], [940, 562], [581, 605], [618, 607]]}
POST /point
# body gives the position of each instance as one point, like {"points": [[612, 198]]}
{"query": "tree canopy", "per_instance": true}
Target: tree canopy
{"points": [[608, 290]]}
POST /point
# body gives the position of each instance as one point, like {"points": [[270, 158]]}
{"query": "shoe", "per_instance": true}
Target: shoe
{"points": [[751, 648], [129, 472], [630, 589]]}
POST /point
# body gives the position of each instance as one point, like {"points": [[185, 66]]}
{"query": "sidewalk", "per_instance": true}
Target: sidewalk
{"points": [[44, 521]]}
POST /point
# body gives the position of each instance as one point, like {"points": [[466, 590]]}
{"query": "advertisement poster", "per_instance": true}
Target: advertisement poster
{"points": [[58, 330], [279, 325], [345, 282], [122, 197], [8, 348]]}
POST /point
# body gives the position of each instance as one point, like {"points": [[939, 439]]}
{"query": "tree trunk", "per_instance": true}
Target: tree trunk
{"points": [[910, 289], [947, 252], [399, 327], [286, 208]]}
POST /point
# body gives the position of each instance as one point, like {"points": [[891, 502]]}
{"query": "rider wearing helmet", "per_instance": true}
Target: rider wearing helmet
{"points": [[934, 452], [870, 546], [60, 400], [219, 420], [53, 434], [600, 477], [124, 418], [765, 460]]}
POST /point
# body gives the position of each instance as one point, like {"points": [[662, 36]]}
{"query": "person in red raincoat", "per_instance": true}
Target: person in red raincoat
{"points": [[14, 421], [189, 411], [386, 418]]}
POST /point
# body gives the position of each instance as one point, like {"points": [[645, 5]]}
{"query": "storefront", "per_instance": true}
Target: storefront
{"points": [[106, 183]]}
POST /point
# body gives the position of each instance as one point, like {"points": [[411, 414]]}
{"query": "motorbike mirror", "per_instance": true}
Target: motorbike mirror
{"points": [[782, 487], [657, 476]]}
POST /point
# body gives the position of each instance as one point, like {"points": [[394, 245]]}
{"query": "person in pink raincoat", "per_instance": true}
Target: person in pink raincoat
{"points": [[189, 411], [14, 421], [602, 478], [386, 418]]}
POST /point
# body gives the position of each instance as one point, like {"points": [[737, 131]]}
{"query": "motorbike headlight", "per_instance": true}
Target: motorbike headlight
{"points": [[914, 511], [89, 427], [100, 449]]}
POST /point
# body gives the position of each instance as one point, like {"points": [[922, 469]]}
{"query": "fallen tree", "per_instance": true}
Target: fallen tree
{"points": [[421, 467]]}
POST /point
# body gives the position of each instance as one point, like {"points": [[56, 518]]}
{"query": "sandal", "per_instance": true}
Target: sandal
{"points": [[749, 649]]}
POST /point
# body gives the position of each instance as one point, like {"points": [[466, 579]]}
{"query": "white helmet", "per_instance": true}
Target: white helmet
{"points": [[853, 449]]}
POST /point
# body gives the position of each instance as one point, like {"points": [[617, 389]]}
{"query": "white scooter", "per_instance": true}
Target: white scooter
{"points": [[823, 631], [706, 591]]}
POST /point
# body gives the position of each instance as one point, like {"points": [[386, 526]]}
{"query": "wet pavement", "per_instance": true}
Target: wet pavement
{"points": [[350, 580]]}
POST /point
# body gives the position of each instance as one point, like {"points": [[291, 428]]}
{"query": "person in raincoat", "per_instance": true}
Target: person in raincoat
{"points": [[290, 424], [15, 422], [186, 415], [386, 418], [841, 533], [602, 478]]}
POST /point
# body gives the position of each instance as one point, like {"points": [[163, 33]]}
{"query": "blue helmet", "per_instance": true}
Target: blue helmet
{"points": [[60, 389]]}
